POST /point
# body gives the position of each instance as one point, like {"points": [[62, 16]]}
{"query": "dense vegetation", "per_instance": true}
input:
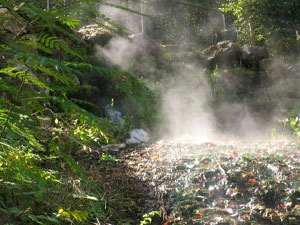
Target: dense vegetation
{"points": [[45, 126], [274, 23]]}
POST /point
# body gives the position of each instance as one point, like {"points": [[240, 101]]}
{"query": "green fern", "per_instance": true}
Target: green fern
{"points": [[42, 130]]}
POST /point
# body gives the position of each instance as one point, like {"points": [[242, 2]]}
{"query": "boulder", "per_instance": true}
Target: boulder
{"points": [[224, 53], [14, 27], [95, 34], [237, 83], [252, 55], [113, 147], [265, 64], [137, 136]]}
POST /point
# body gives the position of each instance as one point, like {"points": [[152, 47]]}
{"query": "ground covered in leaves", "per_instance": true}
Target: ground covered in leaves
{"points": [[219, 184]]}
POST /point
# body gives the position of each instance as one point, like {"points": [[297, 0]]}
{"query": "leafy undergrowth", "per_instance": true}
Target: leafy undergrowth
{"points": [[47, 131], [125, 198], [223, 184]]}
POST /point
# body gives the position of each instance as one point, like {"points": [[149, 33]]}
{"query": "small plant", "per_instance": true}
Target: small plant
{"points": [[107, 157], [292, 121], [147, 218]]}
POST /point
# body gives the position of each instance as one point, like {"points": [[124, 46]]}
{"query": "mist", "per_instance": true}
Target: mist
{"points": [[186, 95], [185, 109]]}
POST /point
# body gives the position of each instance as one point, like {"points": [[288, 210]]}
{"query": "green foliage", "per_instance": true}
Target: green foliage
{"points": [[106, 157], [43, 131], [292, 121], [213, 79], [275, 23], [132, 97], [147, 218]]}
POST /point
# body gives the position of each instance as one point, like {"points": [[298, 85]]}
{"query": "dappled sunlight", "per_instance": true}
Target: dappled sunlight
{"points": [[222, 183]]}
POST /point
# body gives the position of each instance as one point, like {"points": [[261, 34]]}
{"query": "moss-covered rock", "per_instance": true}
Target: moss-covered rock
{"points": [[237, 83], [129, 95]]}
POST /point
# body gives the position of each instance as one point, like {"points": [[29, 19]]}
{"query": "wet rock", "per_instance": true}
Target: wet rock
{"points": [[138, 136], [264, 64], [237, 83], [224, 53], [14, 27], [252, 55], [95, 34]]}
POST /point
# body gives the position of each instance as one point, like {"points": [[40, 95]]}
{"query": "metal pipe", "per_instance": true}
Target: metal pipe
{"points": [[142, 18]]}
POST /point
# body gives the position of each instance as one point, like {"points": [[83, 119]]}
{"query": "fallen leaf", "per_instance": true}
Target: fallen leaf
{"points": [[297, 207], [235, 154], [253, 181], [245, 175], [228, 210]]}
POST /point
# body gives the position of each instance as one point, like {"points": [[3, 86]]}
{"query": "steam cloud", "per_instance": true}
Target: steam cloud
{"points": [[184, 105], [186, 93], [123, 51]]}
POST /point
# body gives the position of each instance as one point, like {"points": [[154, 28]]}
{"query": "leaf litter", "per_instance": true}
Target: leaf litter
{"points": [[214, 184]]}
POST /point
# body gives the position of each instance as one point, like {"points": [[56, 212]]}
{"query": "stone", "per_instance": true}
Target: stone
{"points": [[114, 147], [137, 136], [14, 27], [265, 64], [237, 83], [252, 55], [224, 53], [95, 34], [254, 52]]}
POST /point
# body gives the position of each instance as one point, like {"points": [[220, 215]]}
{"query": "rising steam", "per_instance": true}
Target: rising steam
{"points": [[186, 94]]}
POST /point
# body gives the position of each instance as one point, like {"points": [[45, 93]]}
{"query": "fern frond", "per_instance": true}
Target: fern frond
{"points": [[61, 30], [54, 42], [71, 22], [70, 108], [25, 75], [27, 44], [37, 61]]}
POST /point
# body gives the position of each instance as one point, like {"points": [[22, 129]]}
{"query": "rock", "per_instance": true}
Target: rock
{"points": [[114, 116], [252, 55], [3, 11], [138, 136], [224, 53], [265, 64], [14, 27], [237, 83], [254, 52], [113, 147], [95, 34]]}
